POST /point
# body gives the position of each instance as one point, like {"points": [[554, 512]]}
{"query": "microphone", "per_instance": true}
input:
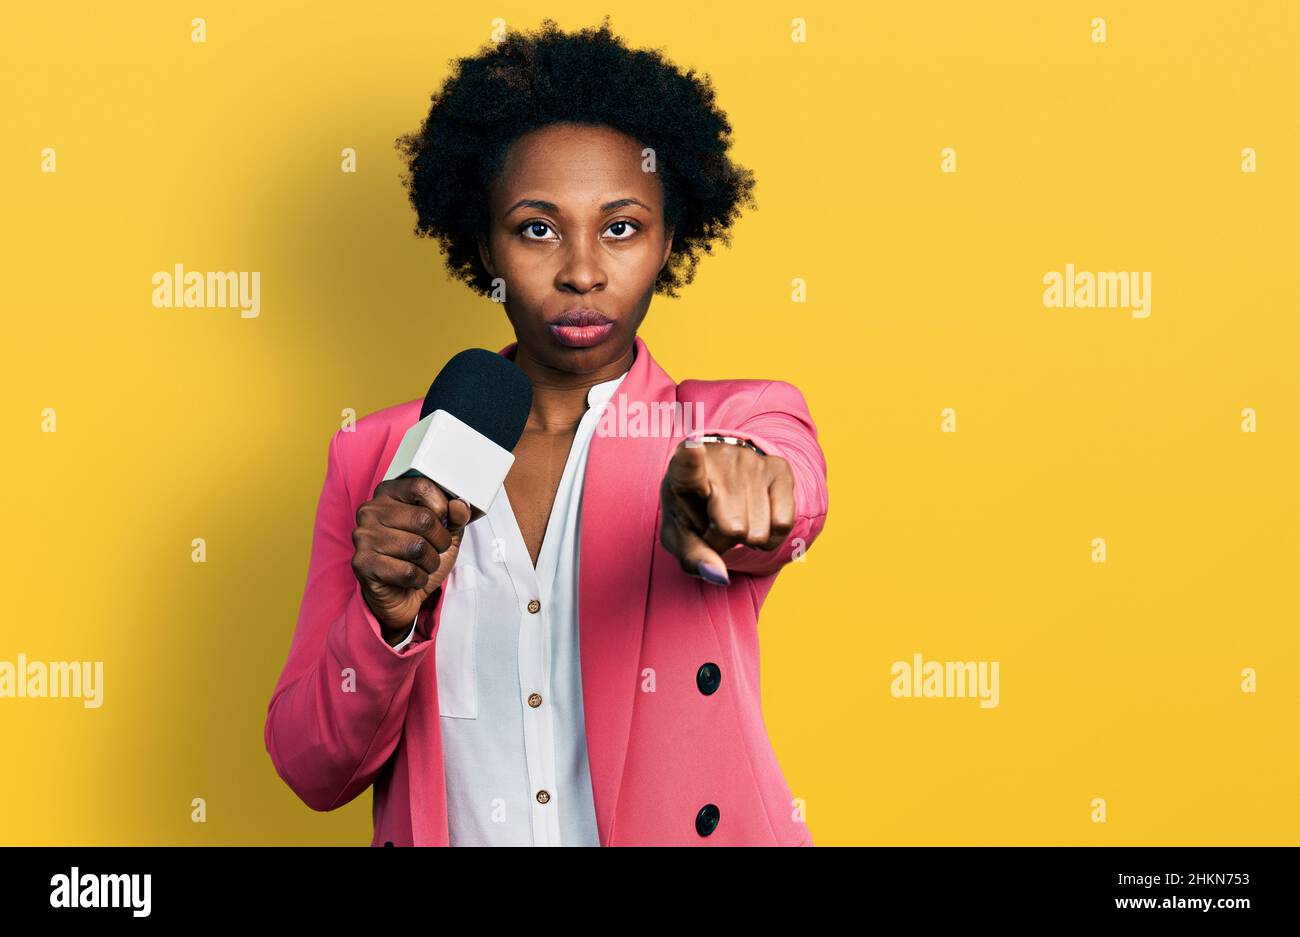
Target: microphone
{"points": [[471, 420]]}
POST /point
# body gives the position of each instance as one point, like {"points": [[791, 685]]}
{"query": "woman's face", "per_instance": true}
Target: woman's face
{"points": [[577, 234]]}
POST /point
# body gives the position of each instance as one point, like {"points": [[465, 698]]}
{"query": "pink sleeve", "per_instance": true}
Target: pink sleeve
{"points": [[336, 714], [781, 425]]}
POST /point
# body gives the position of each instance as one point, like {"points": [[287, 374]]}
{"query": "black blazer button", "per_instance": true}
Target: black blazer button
{"points": [[708, 677], [706, 821]]}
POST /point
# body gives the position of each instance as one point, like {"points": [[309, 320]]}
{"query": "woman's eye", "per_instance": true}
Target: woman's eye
{"points": [[532, 226], [620, 227]]}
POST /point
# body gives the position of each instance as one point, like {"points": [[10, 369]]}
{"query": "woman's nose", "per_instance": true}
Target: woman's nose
{"points": [[582, 268]]}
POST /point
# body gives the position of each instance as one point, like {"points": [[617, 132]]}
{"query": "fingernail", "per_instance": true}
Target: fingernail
{"points": [[713, 574]]}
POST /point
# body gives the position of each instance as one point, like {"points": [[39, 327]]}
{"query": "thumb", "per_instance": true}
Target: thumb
{"points": [[458, 515]]}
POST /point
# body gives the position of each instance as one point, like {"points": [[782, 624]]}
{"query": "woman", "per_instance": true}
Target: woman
{"points": [[579, 666]]}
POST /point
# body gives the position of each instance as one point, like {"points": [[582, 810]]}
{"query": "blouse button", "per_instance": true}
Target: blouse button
{"points": [[543, 797], [534, 606], [535, 700]]}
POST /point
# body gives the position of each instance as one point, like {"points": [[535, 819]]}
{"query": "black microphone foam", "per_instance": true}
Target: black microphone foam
{"points": [[486, 391]]}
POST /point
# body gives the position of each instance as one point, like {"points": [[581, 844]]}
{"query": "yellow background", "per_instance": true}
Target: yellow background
{"points": [[1119, 681]]}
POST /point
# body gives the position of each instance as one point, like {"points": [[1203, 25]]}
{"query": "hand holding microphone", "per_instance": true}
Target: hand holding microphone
{"points": [[407, 538], [445, 475]]}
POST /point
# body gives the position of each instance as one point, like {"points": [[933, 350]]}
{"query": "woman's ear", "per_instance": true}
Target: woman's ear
{"points": [[668, 248], [485, 255]]}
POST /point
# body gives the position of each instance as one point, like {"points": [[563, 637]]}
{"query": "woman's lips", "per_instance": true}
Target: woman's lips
{"points": [[581, 328]]}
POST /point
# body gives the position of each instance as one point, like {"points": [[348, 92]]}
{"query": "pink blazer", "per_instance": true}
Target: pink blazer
{"points": [[657, 758]]}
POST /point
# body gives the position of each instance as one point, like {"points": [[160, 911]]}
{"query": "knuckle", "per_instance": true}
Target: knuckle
{"points": [[731, 527]]}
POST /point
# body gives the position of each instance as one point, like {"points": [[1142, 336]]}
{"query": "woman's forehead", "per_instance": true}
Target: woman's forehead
{"points": [[576, 168]]}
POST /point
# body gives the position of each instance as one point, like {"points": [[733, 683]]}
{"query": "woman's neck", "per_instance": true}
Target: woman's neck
{"points": [[560, 397]]}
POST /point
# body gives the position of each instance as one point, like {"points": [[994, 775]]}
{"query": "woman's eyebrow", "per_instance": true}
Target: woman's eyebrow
{"points": [[543, 205]]}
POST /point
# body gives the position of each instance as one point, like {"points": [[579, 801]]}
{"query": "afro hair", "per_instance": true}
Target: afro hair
{"points": [[530, 80]]}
